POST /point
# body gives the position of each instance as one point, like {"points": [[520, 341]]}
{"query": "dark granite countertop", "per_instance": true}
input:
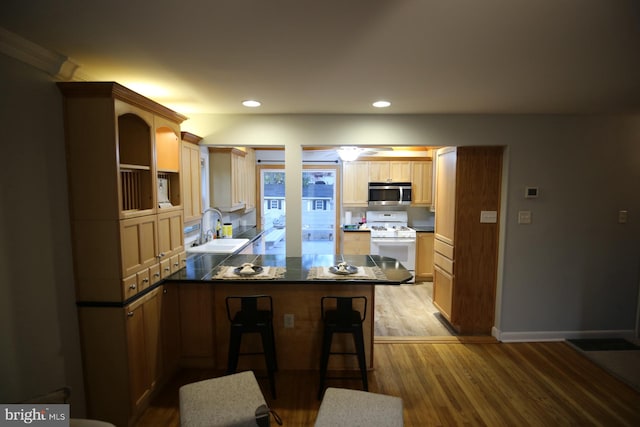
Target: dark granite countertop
{"points": [[423, 228], [202, 268], [348, 228]]}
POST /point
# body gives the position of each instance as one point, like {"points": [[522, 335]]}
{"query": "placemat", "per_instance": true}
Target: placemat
{"points": [[268, 273], [364, 273]]}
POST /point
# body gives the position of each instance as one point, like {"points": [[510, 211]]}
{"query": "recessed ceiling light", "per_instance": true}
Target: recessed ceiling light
{"points": [[381, 104], [251, 103]]}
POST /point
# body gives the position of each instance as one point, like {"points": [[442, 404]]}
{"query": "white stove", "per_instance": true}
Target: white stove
{"points": [[402, 232], [389, 224], [391, 237]]}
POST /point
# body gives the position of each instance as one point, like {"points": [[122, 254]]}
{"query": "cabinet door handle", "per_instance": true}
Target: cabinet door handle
{"points": [[130, 314], [167, 269], [164, 291], [176, 264], [132, 286], [161, 255], [145, 280], [156, 274]]}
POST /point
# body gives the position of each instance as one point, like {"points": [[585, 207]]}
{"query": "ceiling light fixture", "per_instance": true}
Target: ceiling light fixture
{"points": [[348, 154], [251, 103], [381, 104]]}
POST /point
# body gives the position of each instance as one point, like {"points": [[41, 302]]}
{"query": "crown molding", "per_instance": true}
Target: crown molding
{"points": [[56, 65]]}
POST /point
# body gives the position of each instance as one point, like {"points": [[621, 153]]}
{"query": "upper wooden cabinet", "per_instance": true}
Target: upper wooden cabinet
{"points": [[421, 179], [355, 180], [358, 174], [389, 171], [191, 177], [124, 173], [232, 178], [121, 147]]}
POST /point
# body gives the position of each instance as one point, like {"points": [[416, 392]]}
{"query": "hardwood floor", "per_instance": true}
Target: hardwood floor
{"points": [[477, 384], [408, 311]]}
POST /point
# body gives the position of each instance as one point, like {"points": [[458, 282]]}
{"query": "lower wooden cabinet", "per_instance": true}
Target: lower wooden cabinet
{"points": [[143, 345], [356, 242], [126, 354], [443, 291], [424, 256]]}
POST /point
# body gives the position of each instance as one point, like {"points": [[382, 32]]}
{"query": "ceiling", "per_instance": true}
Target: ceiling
{"points": [[338, 56]]}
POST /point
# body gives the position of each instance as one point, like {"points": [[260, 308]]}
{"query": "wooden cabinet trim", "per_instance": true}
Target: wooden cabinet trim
{"points": [[191, 138], [117, 91]]}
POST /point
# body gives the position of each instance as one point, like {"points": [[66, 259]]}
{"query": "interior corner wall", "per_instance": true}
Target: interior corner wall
{"points": [[40, 344], [574, 270]]}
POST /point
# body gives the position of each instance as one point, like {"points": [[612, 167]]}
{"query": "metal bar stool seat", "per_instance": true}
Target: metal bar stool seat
{"points": [[346, 320], [252, 319]]}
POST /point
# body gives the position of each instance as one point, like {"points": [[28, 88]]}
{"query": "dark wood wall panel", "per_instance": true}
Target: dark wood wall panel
{"points": [[478, 182]]}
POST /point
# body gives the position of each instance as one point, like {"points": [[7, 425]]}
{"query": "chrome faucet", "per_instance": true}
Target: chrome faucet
{"points": [[204, 234]]}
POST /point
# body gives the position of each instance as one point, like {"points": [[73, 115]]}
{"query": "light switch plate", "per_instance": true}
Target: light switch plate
{"points": [[488, 217], [288, 321], [524, 217], [622, 217]]}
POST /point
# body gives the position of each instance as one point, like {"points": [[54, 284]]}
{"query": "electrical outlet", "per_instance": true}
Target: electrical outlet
{"points": [[288, 320], [622, 217]]}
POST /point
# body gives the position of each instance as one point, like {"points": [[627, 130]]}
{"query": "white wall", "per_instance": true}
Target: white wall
{"points": [[574, 270], [39, 341]]}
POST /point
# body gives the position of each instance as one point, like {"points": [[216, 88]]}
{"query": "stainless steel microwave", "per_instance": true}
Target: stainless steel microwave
{"points": [[389, 193]]}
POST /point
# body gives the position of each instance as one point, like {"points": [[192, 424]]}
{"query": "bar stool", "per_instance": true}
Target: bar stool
{"points": [[343, 319], [250, 319]]}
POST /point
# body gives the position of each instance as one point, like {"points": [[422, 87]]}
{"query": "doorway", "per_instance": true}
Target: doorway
{"points": [[319, 209], [273, 209]]}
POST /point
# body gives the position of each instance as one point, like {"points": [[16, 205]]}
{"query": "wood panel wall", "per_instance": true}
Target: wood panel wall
{"points": [[479, 176]]}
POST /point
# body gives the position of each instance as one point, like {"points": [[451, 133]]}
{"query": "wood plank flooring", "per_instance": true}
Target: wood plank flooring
{"points": [[408, 311], [476, 384]]}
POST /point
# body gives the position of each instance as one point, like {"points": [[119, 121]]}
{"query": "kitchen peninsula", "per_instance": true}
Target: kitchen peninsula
{"points": [[203, 323]]}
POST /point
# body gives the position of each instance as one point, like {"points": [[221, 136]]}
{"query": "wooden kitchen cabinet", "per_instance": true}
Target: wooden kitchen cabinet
{"points": [[170, 234], [379, 171], [230, 178], [123, 168], [356, 242], [122, 359], [126, 208], [355, 181], [465, 249], [389, 171], [424, 256], [191, 173], [143, 346], [139, 243], [421, 179]]}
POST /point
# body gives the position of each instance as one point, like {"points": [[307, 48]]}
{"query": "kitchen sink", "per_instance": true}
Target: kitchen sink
{"points": [[219, 246]]}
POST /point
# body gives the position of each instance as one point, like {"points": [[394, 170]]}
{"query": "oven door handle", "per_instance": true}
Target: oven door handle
{"points": [[392, 240]]}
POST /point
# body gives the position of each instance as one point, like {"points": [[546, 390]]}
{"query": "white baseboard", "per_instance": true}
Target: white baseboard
{"points": [[526, 336]]}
